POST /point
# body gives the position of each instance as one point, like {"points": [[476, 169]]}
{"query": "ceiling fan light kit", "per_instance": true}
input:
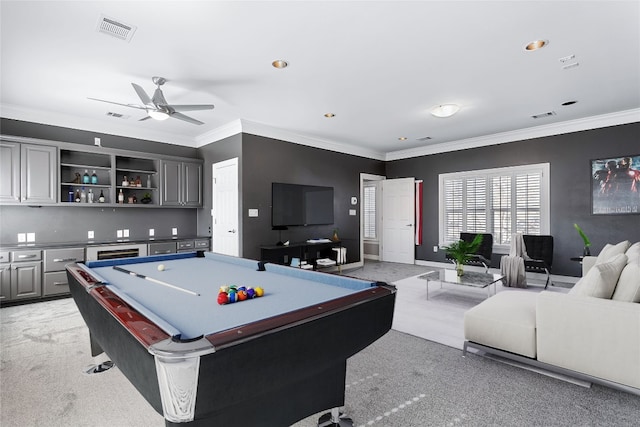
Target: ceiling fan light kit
{"points": [[445, 110], [158, 108]]}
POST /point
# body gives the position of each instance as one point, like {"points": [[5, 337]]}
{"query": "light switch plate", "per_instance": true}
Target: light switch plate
{"points": [[352, 212], [125, 232], [152, 232], [174, 231], [253, 213], [90, 234], [119, 234], [22, 237]]}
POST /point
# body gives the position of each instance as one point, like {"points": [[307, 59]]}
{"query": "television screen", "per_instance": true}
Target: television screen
{"points": [[294, 204]]}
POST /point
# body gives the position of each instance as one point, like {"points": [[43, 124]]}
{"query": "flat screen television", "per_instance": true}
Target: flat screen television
{"points": [[294, 204]]}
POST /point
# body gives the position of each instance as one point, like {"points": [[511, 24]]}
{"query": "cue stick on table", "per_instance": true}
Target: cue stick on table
{"points": [[151, 279]]}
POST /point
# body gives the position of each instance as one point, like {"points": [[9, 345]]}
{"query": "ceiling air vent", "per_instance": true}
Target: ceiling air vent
{"points": [[424, 138], [117, 115], [543, 115], [116, 29]]}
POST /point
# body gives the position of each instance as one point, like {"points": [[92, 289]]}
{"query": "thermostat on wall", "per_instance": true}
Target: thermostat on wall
{"points": [[354, 200]]}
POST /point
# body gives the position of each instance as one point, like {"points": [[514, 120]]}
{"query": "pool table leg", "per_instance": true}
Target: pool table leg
{"points": [[335, 419]]}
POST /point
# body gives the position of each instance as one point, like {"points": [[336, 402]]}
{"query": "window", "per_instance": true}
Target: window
{"points": [[497, 201], [369, 207]]}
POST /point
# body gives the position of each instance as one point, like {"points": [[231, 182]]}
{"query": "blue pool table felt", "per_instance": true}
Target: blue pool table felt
{"points": [[286, 289]]}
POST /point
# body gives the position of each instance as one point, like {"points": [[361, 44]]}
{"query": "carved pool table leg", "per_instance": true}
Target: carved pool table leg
{"points": [[335, 419]]}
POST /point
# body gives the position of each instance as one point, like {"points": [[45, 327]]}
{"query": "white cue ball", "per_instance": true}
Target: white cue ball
{"points": [[161, 267]]}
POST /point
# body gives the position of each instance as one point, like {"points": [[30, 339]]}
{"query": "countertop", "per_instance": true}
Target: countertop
{"points": [[88, 243]]}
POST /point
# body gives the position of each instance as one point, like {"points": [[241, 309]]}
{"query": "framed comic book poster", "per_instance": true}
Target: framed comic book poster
{"points": [[615, 186]]}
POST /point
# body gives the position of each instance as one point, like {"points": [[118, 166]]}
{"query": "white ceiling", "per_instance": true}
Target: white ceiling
{"points": [[378, 66]]}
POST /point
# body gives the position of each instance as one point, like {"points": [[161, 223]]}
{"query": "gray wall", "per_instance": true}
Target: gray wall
{"points": [[569, 156], [265, 160]]}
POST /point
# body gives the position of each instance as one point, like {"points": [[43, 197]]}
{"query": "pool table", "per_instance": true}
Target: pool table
{"points": [[267, 361]]}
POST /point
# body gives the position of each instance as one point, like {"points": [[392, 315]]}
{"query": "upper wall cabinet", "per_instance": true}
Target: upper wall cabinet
{"points": [[28, 173], [181, 183]]}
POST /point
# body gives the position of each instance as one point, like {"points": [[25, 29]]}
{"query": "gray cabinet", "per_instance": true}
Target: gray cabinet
{"points": [[162, 248], [55, 276], [28, 173], [5, 276], [181, 183], [26, 274]]}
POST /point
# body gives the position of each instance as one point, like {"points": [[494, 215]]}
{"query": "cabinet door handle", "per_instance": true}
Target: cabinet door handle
{"points": [[168, 251], [65, 259], [27, 256]]}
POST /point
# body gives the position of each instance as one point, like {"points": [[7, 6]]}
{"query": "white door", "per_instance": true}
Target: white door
{"points": [[398, 215], [226, 234]]}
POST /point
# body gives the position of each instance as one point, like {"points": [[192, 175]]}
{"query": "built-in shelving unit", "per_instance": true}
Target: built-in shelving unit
{"points": [[73, 166], [137, 179]]}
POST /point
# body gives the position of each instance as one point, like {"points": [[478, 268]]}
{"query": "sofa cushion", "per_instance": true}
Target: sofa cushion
{"points": [[506, 321], [628, 288], [600, 281], [609, 251], [633, 253]]}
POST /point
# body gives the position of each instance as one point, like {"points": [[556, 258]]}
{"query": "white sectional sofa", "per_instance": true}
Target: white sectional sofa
{"points": [[592, 332]]}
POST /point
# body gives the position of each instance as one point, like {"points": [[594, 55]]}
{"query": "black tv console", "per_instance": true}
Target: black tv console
{"points": [[305, 251]]}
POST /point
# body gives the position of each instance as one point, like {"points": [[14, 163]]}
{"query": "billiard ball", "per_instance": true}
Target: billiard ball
{"points": [[242, 295], [251, 293], [161, 267], [259, 291], [232, 297], [223, 298]]}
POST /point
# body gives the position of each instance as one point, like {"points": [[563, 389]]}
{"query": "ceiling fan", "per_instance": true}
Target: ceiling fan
{"points": [[158, 108]]}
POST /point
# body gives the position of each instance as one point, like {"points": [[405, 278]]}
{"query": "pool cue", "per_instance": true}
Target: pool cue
{"points": [[151, 279]]}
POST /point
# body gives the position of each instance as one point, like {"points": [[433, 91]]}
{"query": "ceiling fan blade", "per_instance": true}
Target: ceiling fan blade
{"points": [[142, 95], [191, 107], [118, 103], [186, 118]]}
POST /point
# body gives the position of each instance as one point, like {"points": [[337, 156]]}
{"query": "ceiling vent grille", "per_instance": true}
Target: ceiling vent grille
{"points": [[115, 29], [424, 138], [543, 115], [117, 115]]}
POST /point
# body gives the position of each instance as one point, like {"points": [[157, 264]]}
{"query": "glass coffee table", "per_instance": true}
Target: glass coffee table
{"points": [[469, 278]]}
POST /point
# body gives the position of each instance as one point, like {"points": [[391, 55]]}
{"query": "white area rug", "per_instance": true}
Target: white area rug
{"points": [[440, 318]]}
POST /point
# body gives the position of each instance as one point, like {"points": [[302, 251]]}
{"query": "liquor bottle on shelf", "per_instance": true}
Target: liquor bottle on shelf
{"points": [[71, 198], [94, 178], [90, 196], [125, 181], [148, 181], [85, 178], [101, 197], [77, 199], [83, 196], [138, 181], [120, 197]]}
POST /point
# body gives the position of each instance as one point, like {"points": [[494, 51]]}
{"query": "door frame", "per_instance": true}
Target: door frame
{"points": [[367, 177]]}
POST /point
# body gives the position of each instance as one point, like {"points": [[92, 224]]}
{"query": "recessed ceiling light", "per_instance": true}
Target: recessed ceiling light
{"points": [[564, 104], [280, 63], [535, 45], [329, 115], [445, 110], [402, 138]]}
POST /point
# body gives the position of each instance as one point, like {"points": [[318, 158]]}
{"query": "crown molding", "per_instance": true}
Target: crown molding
{"points": [[594, 122], [225, 131], [89, 125], [260, 129]]}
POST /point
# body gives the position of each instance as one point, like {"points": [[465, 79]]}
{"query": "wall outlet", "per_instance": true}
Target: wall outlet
{"points": [[253, 213], [435, 248], [174, 231], [22, 237], [352, 212], [31, 237], [90, 234], [125, 232], [119, 234], [152, 232]]}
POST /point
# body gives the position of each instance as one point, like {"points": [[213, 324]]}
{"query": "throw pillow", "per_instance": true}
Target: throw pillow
{"points": [[633, 253], [628, 288], [609, 251], [600, 281]]}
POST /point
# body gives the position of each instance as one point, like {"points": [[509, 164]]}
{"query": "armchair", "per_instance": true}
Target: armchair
{"points": [[484, 252], [540, 252]]}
